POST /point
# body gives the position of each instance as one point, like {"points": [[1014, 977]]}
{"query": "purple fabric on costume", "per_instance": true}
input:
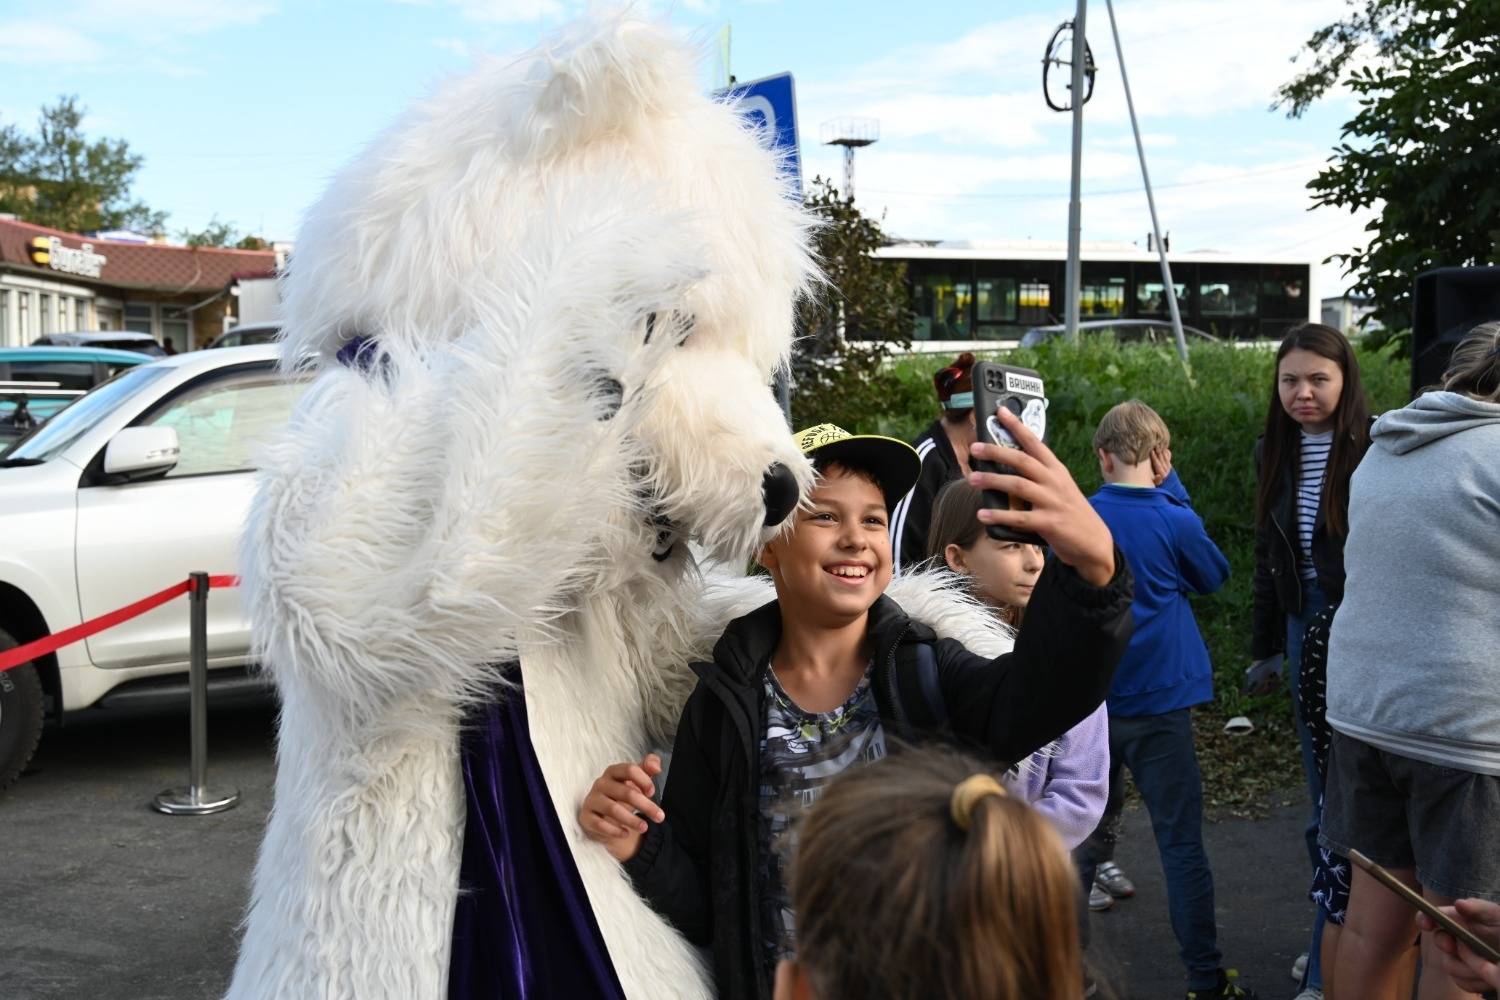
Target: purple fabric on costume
{"points": [[523, 929], [1069, 782]]}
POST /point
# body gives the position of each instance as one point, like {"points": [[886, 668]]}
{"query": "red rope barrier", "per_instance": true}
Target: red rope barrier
{"points": [[11, 658]]}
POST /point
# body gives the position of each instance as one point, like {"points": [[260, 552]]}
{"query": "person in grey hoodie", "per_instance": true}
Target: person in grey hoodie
{"points": [[1414, 667]]}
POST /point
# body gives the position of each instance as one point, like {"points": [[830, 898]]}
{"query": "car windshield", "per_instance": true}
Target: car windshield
{"points": [[53, 437]]}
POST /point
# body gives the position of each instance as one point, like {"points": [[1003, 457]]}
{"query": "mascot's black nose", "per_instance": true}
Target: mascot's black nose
{"points": [[779, 488]]}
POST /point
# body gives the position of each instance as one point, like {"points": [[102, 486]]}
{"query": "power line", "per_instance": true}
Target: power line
{"points": [[1012, 196]]}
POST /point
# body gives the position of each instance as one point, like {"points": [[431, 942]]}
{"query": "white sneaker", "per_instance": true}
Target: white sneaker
{"points": [[1309, 994], [1299, 967], [1099, 899]]}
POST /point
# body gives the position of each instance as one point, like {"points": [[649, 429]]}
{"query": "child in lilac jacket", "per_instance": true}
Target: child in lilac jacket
{"points": [[1067, 781]]}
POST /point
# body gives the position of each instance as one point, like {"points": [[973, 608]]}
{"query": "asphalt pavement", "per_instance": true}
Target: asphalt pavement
{"points": [[103, 898]]}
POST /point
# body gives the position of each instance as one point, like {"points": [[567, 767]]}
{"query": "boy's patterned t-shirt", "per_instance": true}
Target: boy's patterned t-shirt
{"points": [[800, 752]]}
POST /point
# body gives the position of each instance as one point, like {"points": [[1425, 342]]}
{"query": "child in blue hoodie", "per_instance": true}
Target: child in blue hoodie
{"points": [[1165, 670]]}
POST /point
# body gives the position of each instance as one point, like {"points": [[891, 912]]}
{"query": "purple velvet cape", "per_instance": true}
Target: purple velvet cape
{"points": [[523, 929]]}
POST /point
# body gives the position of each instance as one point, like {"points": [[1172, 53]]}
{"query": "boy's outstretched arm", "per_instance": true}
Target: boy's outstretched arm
{"points": [[1077, 624]]}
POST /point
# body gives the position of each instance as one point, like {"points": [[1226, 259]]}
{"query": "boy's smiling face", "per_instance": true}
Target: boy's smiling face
{"points": [[835, 561]]}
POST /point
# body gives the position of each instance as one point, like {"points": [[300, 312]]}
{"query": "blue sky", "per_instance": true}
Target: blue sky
{"points": [[243, 109]]}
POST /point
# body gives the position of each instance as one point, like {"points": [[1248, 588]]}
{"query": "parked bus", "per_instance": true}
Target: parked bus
{"points": [[971, 296]]}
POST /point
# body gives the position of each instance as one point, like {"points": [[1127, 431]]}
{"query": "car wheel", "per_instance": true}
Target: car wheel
{"points": [[20, 716]]}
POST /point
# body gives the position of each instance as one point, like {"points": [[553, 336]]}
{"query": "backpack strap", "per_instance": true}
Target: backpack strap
{"points": [[932, 692], [920, 705]]}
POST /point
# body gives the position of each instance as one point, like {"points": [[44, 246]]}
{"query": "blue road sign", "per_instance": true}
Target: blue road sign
{"points": [[773, 101]]}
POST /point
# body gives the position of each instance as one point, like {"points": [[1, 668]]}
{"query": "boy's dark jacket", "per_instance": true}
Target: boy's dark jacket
{"points": [[698, 868]]}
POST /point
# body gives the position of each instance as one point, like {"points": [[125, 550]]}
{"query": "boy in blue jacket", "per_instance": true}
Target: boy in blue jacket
{"points": [[1165, 670]]}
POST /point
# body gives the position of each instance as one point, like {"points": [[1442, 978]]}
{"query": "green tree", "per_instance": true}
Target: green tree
{"points": [[852, 323], [58, 178], [215, 234], [1421, 150]]}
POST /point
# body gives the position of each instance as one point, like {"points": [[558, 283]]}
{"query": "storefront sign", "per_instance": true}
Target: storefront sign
{"points": [[48, 251]]}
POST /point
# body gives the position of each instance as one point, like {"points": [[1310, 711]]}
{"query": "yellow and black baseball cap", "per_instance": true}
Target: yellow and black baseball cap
{"points": [[893, 462]]}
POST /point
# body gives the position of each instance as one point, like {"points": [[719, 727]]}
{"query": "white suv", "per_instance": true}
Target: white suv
{"points": [[131, 488]]}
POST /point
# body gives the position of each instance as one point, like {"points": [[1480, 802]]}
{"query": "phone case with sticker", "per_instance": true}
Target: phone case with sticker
{"points": [[1022, 392]]}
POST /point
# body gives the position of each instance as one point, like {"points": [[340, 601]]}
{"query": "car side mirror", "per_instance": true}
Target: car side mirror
{"points": [[141, 452]]}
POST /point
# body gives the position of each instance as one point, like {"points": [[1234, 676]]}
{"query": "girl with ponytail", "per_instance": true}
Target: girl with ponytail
{"points": [[919, 876]]}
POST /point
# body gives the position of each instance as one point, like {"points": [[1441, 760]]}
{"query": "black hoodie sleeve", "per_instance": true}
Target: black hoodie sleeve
{"points": [[670, 870], [1058, 673], [912, 518]]}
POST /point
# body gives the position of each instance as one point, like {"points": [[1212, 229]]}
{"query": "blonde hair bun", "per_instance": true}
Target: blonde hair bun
{"points": [[968, 793]]}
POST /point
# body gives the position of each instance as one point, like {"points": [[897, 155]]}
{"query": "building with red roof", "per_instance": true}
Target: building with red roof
{"points": [[57, 282]]}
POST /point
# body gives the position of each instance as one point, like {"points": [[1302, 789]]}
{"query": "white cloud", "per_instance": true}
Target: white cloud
{"points": [[166, 17], [95, 33], [510, 11], [455, 46], [499, 11], [37, 43]]}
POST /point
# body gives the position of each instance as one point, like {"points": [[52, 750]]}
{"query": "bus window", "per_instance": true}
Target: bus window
{"points": [[1151, 300], [1102, 290], [1036, 302], [942, 297], [1283, 292], [995, 300]]}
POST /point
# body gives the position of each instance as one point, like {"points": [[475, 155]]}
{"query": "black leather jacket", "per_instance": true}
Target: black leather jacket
{"points": [[1278, 587]]}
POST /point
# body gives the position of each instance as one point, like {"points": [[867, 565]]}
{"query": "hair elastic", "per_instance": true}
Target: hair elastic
{"points": [[968, 793]]}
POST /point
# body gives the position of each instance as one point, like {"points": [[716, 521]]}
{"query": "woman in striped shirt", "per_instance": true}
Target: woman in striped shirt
{"points": [[1317, 430]]}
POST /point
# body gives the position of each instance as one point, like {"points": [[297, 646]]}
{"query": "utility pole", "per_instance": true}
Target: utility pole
{"points": [[1075, 206], [1080, 63]]}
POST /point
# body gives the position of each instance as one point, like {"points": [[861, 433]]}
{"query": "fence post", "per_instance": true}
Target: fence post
{"points": [[196, 799]]}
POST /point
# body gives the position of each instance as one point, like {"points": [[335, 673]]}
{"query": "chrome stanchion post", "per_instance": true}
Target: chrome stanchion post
{"points": [[196, 799]]}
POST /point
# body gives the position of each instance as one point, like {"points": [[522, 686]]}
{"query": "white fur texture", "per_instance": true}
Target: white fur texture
{"points": [[462, 502]]}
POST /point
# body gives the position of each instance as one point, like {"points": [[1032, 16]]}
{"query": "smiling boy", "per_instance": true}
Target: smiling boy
{"points": [[827, 675]]}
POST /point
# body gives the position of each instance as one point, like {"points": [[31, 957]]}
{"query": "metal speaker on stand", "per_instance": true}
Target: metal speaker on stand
{"points": [[1447, 303]]}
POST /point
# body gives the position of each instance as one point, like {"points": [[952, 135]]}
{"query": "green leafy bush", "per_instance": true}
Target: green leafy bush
{"points": [[1215, 419]]}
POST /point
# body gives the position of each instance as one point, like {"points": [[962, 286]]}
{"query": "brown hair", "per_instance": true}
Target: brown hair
{"points": [[1351, 428], [955, 521], [1132, 431], [896, 900], [844, 465], [1474, 369]]}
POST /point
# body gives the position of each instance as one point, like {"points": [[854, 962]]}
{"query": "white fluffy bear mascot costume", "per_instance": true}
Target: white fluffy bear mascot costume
{"points": [[542, 313]]}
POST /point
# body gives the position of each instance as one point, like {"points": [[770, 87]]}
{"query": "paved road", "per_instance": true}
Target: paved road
{"points": [[102, 898]]}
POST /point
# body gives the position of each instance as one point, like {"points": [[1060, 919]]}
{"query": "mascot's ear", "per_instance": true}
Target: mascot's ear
{"points": [[604, 75]]}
